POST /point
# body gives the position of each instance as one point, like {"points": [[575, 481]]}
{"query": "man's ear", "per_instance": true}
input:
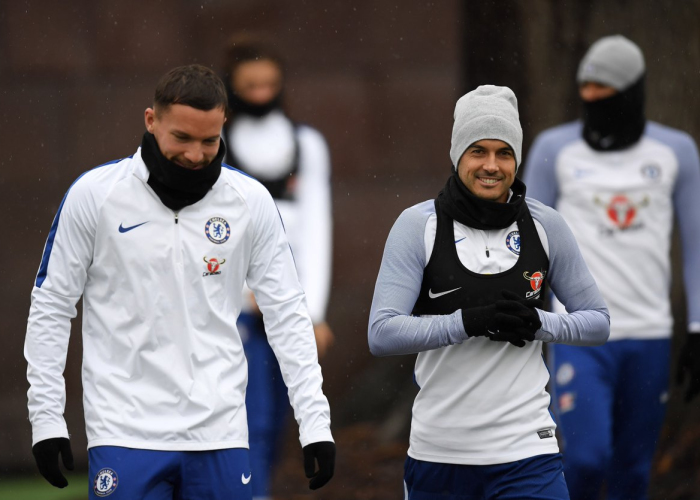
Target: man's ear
{"points": [[149, 118]]}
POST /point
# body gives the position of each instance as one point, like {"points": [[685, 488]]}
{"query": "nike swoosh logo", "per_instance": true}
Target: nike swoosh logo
{"points": [[246, 480], [123, 229], [436, 295]]}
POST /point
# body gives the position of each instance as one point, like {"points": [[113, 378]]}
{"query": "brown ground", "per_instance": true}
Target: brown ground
{"points": [[366, 468]]}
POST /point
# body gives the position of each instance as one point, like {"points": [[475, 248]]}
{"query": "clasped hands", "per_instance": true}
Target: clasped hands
{"points": [[511, 319]]}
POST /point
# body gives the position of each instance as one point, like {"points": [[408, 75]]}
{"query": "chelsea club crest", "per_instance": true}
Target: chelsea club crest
{"points": [[105, 482], [217, 230], [513, 242]]}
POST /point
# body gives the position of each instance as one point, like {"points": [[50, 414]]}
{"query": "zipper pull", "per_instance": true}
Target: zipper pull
{"points": [[176, 215], [487, 253]]}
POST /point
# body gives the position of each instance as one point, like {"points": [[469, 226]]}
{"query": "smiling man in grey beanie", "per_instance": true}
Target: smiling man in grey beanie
{"points": [[617, 179], [460, 284]]}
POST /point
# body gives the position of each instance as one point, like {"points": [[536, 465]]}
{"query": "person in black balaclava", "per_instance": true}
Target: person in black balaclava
{"points": [[262, 140], [292, 162], [611, 79], [619, 179]]}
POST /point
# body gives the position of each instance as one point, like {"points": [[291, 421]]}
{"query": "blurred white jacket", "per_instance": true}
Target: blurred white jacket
{"points": [[266, 147]]}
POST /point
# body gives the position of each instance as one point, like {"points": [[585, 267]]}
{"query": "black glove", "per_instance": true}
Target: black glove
{"points": [[689, 365], [322, 452], [46, 456], [516, 319], [479, 321]]}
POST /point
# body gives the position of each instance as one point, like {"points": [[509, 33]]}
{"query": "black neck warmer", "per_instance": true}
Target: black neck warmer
{"points": [[239, 106], [176, 186], [616, 122], [456, 201]]}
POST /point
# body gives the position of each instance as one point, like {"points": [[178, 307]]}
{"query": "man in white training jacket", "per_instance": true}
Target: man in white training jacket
{"points": [[159, 245]]}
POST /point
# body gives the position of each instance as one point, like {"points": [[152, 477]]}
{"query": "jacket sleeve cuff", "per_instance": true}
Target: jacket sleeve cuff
{"points": [[316, 437], [48, 432]]}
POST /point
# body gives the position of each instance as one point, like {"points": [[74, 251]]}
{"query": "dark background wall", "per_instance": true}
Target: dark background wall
{"points": [[380, 80]]}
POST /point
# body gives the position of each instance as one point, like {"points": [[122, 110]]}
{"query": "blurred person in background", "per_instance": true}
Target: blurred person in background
{"points": [[292, 161], [460, 284], [618, 179], [159, 245]]}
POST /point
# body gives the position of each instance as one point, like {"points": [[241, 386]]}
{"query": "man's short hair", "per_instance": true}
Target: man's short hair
{"points": [[243, 48], [194, 85]]}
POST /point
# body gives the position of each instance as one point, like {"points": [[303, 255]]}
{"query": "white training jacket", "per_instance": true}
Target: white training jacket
{"points": [[163, 363], [621, 206], [266, 147]]}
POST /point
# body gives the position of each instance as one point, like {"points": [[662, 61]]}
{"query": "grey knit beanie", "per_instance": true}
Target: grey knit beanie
{"points": [[614, 61], [489, 112]]}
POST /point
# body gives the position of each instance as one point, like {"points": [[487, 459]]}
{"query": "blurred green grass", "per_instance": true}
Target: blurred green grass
{"points": [[36, 488]]}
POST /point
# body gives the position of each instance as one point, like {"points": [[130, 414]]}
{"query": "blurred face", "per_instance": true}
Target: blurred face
{"points": [[592, 91], [487, 169], [186, 136], [257, 82]]}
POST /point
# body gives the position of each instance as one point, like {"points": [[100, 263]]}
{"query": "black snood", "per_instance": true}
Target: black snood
{"points": [[462, 205], [616, 122], [176, 186]]}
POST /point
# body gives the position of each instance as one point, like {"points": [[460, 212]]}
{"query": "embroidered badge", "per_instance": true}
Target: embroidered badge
{"points": [[106, 482], [545, 433], [513, 242], [217, 230], [536, 279], [213, 266], [622, 211], [565, 374], [651, 171], [567, 402]]}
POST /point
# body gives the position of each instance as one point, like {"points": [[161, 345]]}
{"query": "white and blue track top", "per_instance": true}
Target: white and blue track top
{"points": [[163, 363], [620, 205], [480, 402]]}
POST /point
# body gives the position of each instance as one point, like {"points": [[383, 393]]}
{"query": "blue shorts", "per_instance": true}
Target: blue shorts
{"points": [[118, 473], [610, 406], [266, 401], [539, 477]]}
